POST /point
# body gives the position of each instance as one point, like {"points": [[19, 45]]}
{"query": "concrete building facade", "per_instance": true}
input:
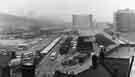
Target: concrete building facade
{"points": [[82, 19], [125, 20], [82, 23]]}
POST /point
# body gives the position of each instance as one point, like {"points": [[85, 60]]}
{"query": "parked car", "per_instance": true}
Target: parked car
{"points": [[53, 56]]}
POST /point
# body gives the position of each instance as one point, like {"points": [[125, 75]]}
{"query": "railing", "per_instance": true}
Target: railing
{"points": [[131, 65]]}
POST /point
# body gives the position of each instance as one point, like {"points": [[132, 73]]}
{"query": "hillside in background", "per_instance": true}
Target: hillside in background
{"points": [[11, 23]]}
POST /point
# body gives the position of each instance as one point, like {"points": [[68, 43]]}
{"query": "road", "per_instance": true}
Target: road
{"points": [[47, 66]]}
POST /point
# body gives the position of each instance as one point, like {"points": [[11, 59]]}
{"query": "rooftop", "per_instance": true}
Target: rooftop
{"points": [[125, 11], [4, 60]]}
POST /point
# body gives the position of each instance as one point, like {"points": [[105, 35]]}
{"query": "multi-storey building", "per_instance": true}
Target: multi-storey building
{"points": [[83, 24], [125, 20]]}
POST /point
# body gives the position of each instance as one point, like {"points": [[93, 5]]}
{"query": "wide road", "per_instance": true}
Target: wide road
{"points": [[47, 66]]}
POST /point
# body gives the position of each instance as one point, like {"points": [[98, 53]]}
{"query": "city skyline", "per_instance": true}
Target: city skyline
{"points": [[102, 10]]}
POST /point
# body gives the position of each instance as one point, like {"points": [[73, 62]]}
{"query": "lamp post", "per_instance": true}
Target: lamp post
{"points": [[128, 46]]}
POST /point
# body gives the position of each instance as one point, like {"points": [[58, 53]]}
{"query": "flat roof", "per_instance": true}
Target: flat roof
{"points": [[4, 60]]}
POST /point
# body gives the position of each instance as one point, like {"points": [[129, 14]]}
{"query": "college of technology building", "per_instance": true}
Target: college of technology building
{"points": [[83, 24], [125, 20]]}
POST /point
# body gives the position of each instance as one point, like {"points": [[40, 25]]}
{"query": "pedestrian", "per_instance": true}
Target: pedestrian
{"points": [[101, 57], [94, 61]]}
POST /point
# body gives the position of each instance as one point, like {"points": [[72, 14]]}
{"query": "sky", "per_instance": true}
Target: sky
{"points": [[102, 10]]}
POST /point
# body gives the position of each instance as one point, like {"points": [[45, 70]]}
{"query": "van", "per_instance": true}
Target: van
{"points": [[53, 56]]}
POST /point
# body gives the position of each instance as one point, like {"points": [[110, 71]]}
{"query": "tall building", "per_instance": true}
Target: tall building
{"points": [[82, 19], [125, 20], [83, 24]]}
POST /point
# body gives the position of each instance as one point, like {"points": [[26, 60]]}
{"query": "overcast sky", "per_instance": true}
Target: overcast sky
{"points": [[101, 9]]}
